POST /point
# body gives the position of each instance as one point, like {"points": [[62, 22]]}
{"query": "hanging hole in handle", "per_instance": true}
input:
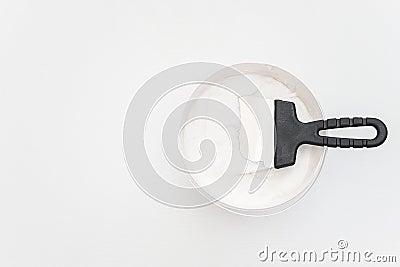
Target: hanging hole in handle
{"points": [[361, 132]]}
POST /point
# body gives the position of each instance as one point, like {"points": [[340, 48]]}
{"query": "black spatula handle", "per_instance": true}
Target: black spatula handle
{"points": [[352, 142], [290, 133]]}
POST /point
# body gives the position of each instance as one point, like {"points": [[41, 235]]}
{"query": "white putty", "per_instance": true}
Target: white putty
{"points": [[281, 186]]}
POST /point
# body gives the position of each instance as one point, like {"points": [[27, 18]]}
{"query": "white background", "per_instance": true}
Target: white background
{"points": [[68, 70]]}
